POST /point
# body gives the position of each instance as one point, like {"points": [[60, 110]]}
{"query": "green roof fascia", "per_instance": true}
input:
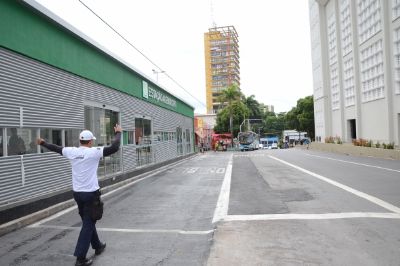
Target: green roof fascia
{"points": [[29, 32]]}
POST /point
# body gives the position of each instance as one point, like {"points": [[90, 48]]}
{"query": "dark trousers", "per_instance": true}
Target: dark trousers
{"points": [[88, 234]]}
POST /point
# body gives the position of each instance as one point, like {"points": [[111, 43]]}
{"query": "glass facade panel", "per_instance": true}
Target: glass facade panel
{"points": [[52, 136], [72, 137], [1, 142], [101, 122], [372, 73], [396, 53], [143, 133], [345, 25], [369, 18], [21, 141], [144, 155], [396, 9], [138, 131], [179, 140], [188, 146], [131, 137]]}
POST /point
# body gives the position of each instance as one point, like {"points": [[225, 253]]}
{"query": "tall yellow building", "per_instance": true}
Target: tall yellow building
{"points": [[221, 49]]}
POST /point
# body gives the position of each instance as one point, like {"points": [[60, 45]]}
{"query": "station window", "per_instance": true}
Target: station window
{"points": [[72, 137], [158, 136], [21, 141], [101, 122], [143, 131], [52, 136], [1, 142], [129, 137]]}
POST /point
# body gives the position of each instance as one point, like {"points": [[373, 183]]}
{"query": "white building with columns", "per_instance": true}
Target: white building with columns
{"points": [[356, 69]]}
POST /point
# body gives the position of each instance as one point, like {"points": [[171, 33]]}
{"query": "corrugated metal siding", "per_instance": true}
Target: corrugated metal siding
{"points": [[42, 91], [38, 179], [129, 158], [165, 151], [53, 98], [10, 177]]}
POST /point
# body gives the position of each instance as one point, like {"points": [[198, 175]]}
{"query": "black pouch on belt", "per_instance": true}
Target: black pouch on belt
{"points": [[97, 207]]}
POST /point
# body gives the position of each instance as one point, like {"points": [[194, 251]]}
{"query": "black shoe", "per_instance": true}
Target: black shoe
{"points": [[83, 262], [100, 250]]}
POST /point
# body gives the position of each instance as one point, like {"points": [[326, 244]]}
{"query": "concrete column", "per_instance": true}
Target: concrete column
{"points": [[386, 16], [325, 71], [356, 62]]}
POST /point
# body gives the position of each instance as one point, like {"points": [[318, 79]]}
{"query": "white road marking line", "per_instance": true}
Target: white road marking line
{"points": [[321, 216], [223, 200], [362, 164], [370, 198], [149, 174], [102, 229]]}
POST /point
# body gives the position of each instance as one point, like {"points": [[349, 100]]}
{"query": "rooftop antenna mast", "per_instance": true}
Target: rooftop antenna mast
{"points": [[212, 14]]}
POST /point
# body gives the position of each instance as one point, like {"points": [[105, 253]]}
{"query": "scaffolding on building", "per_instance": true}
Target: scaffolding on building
{"points": [[222, 63]]}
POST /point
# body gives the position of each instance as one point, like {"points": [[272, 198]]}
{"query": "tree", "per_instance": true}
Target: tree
{"points": [[253, 105], [301, 117], [305, 115], [239, 110], [230, 95], [291, 119]]}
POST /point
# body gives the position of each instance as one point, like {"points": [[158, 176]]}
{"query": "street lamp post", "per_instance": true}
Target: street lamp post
{"points": [[157, 72], [248, 123]]}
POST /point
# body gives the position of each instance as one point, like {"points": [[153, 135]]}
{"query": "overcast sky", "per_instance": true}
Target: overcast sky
{"points": [[274, 42]]}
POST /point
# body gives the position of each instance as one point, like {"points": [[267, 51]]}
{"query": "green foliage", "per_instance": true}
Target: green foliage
{"points": [[253, 106], [239, 110], [230, 96], [333, 140], [238, 107], [369, 143], [390, 146], [384, 145]]}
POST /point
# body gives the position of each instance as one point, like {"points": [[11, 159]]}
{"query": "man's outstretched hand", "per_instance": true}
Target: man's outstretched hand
{"points": [[117, 128]]}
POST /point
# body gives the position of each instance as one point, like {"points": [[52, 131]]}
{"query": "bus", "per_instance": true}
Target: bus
{"points": [[248, 141], [269, 142]]}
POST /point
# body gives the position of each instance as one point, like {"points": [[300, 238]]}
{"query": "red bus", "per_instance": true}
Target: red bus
{"points": [[223, 140]]}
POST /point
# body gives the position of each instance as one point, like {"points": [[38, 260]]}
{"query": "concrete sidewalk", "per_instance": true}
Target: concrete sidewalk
{"points": [[350, 149]]}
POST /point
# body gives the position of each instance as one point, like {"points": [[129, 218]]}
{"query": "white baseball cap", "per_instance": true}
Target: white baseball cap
{"points": [[86, 135]]}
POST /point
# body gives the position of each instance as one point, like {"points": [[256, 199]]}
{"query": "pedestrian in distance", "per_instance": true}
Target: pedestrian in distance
{"points": [[85, 161]]}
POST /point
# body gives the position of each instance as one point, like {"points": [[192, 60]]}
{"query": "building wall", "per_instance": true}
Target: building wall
{"points": [[48, 76], [320, 97], [374, 124], [29, 32], [336, 124], [221, 51], [356, 68], [53, 98]]}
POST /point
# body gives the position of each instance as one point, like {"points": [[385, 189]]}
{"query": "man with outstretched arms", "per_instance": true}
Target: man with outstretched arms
{"points": [[85, 161]]}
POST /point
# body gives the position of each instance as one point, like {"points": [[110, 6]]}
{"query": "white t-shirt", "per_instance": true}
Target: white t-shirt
{"points": [[84, 162]]}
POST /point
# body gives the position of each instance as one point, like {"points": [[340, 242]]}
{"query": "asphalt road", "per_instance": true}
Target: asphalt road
{"points": [[268, 207], [301, 207]]}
